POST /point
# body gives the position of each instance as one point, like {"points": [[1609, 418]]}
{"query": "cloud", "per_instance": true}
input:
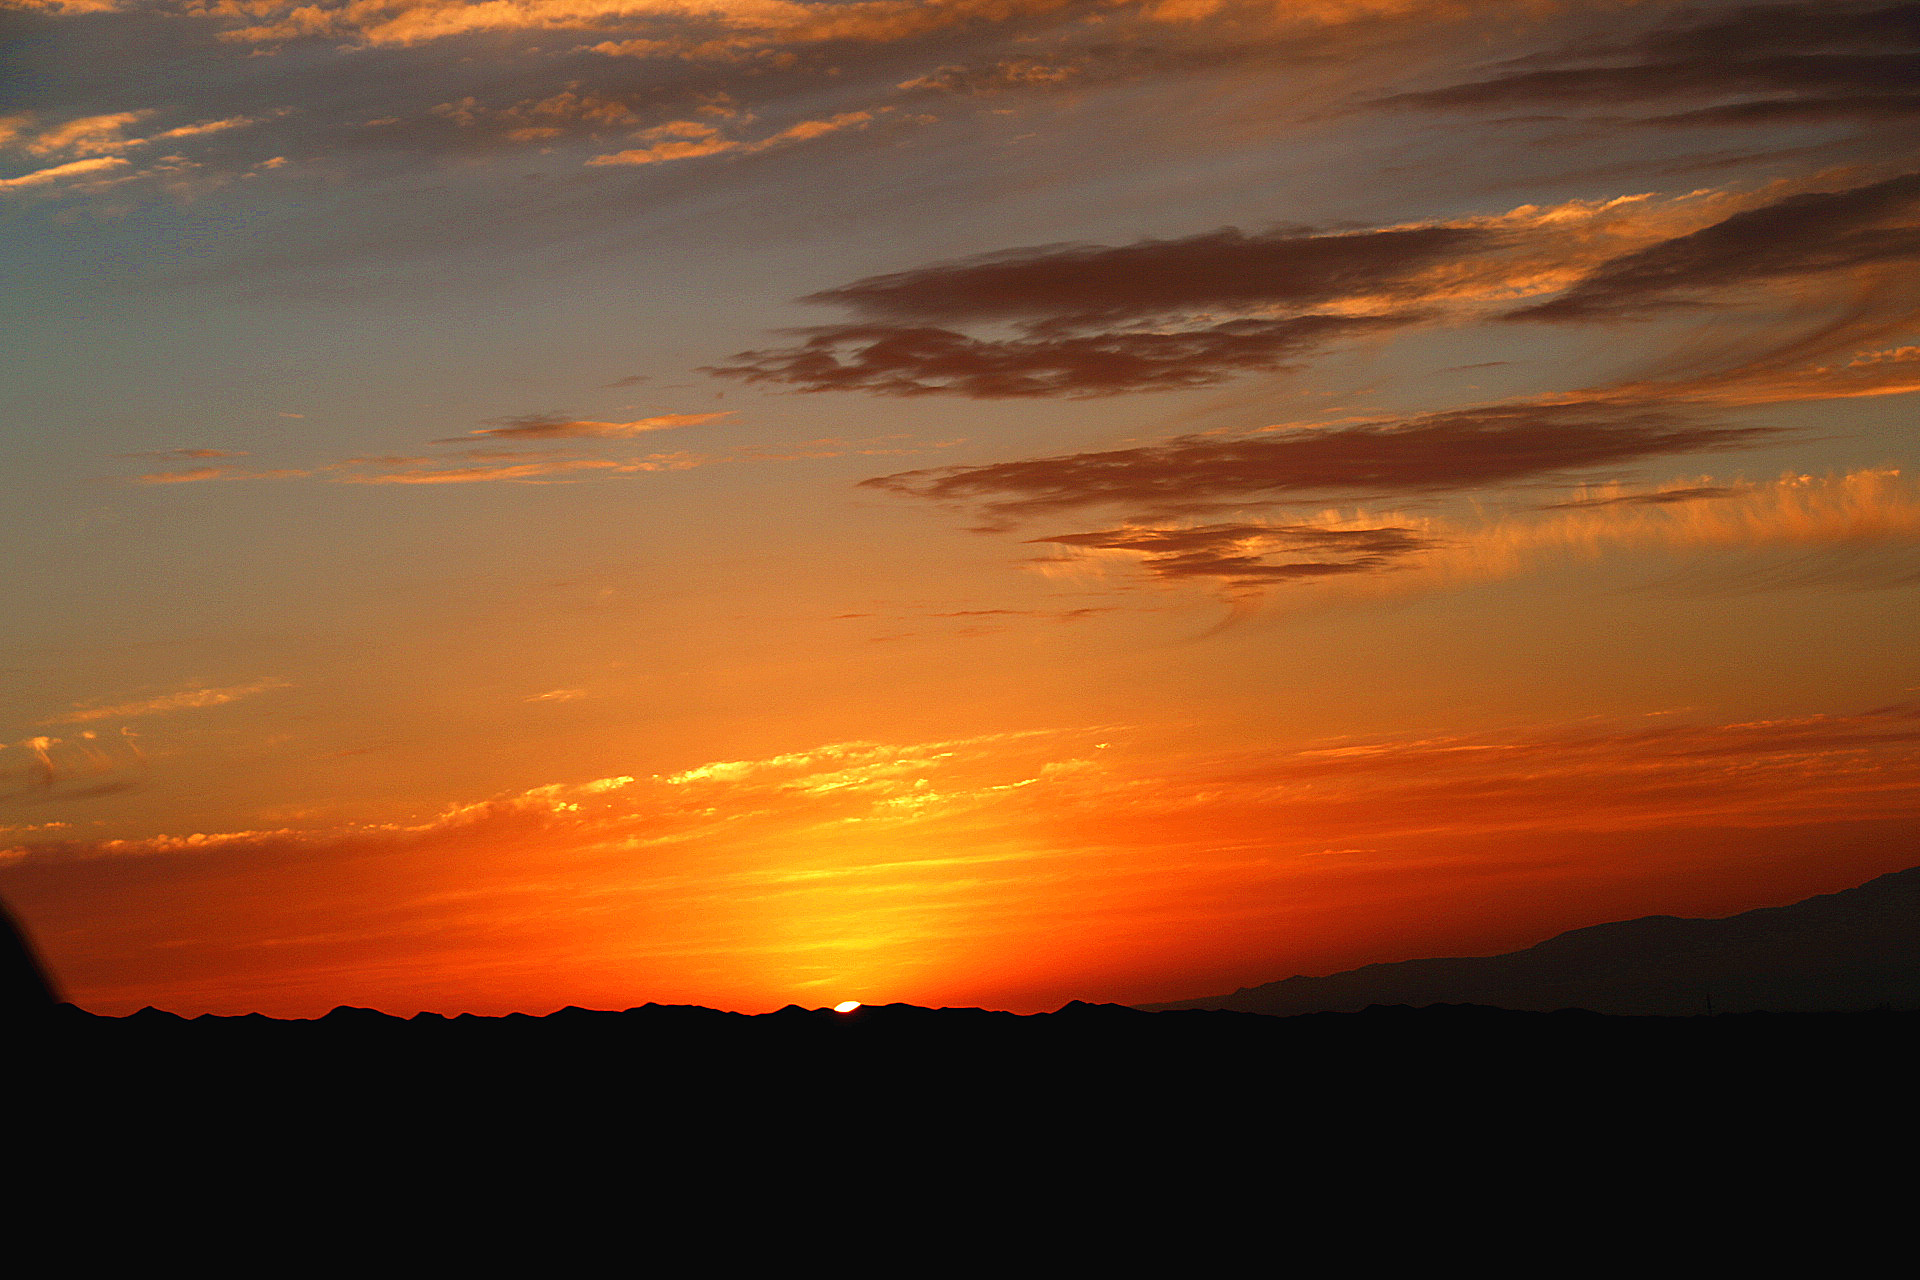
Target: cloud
{"points": [[687, 139], [411, 471], [187, 454], [539, 466], [62, 172], [1649, 497], [1438, 452], [196, 475], [555, 426], [673, 28], [184, 700], [1858, 529], [1015, 73], [1874, 226], [84, 766], [1156, 314], [1781, 63], [454, 78], [1775, 376], [898, 360], [1080, 285], [88, 135], [1244, 555]]}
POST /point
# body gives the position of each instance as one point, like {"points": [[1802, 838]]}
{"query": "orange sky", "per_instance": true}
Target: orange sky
{"points": [[575, 502]]}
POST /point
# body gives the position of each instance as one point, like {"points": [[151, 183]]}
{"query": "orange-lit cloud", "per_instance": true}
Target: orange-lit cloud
{"points": [[62, 172], [182, 700], [172, 455], [554, 426], [81, 766], [194, 475], [88, 135], [899, 360], [1859, 528], [62, 6], [537, 466], [1168, 314], [687, 139], [418, 471], [731, 29], [1456, 450], [1875, 226], [1253, 556], [973, 870]]}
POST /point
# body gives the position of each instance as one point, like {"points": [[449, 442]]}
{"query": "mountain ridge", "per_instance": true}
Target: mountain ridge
{"points": [[1857, 948]]}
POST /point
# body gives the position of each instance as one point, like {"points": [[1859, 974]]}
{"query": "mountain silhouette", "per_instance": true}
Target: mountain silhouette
{"points": [[1853, 950]]}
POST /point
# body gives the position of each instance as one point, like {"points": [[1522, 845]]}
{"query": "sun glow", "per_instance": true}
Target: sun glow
{"points": [[846, 1006]]}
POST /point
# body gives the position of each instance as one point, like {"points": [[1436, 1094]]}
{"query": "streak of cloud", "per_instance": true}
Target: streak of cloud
{"points": [[1858, 529], [1427, 453], [182, 700], [1811, 60], [554, 426]]}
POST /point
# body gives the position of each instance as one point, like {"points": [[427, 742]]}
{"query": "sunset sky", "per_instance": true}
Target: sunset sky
{"points": [[518, 503]]}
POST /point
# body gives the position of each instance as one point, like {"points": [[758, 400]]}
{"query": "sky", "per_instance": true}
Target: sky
{"points": [[526, 503]]}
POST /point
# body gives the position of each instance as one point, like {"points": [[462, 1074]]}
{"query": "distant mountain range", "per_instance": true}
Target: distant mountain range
{"points": [[1857, 949]]}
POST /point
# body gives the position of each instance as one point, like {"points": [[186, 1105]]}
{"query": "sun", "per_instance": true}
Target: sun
{"points": [[846, 1006]]}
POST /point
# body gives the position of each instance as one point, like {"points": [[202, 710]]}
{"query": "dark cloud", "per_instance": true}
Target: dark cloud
{"points": [[1099, 319], [1788, 111], [1809, 234], [1463, 449], [905, 360], [1657, 498], [1087, 284], [560, 426], [998, 77], [1244, 555], [1816, 59]]}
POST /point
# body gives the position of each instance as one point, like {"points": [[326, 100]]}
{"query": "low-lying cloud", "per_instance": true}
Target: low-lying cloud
{"points": [[899, 360], [557, 426], [1808, 61], [1427, 453]]}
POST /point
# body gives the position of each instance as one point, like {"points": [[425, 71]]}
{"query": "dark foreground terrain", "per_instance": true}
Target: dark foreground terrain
{"points": [[1854, 950], [1148, 1068], [895, 1139], [1330, 1129]]}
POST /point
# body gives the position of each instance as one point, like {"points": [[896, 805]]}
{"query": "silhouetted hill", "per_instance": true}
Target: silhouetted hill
{"points": [[1852, 950], [886, 1111]]}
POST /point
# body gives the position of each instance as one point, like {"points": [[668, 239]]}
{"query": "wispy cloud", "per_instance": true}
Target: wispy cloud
{"points": [[556, 426], [1457, 450], [1252, 557], [689, 139], [1808, 234], [1154, 315], [1857, 529], [1761, 64], [930, 863], [62, 172], [182, 700]]}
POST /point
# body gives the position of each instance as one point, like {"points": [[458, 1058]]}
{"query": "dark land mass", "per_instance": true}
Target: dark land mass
{"points": [[1082, 1056], [893, 1112], [1455, 1088], [1854, 950], [926, 1129]]}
